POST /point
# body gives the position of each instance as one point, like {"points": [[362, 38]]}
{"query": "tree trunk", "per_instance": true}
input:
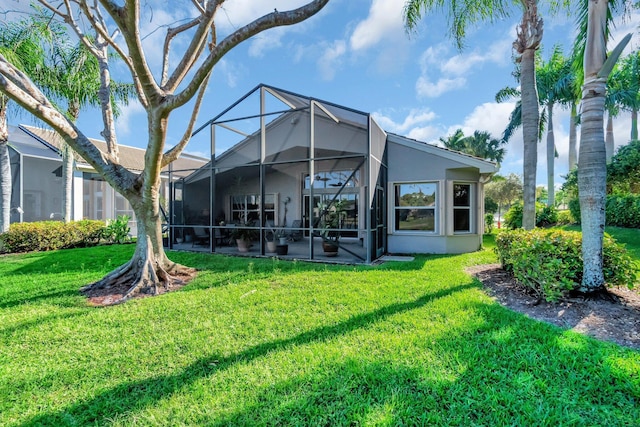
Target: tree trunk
{"points": [[551, 157], [149, 271], [609, 142], [573, 137], [530, 124], [67, 181], [634, 124], [592, 175], [5, 169], [592, 165]]}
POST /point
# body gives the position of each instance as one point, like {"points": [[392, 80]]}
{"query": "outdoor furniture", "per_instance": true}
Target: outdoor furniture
{"points": [[200, 236], [296, 232]]}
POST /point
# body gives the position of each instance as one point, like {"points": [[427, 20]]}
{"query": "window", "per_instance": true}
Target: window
{"points": [[462, 208], [246, 208], [415, 206]]}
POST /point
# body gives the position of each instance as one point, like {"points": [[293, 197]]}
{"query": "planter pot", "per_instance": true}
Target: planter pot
{"points": [[243, 245], [271, 247], [283, 240], [330, 249], [282, 249]]}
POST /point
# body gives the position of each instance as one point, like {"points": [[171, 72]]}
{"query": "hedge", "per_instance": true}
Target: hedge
{"points": [[549, 262], [621, 210], [50, 235]]}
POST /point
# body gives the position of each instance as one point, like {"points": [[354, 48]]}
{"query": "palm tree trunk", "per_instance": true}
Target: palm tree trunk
{"points": [[551, 157], [609, 142], [592, 176], [530, 123], [5, 169], [634, 124], [67, 180], [592, 165], [573, 137]]}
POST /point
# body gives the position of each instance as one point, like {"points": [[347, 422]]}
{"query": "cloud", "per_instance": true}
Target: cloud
{"points": [[265, 41], [384, 20], [130, 117], [409, 123], [442, 73], [330, 60]]}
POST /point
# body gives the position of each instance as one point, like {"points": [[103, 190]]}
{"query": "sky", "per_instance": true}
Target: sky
{"points": [[357, 53]]}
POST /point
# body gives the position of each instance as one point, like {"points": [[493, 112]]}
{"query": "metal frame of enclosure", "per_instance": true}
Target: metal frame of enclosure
{"points": [[280, 160]]}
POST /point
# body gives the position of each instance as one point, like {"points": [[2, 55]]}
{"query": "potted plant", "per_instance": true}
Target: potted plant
{"points": [[331, 220], [270, 238], [244, 235]]}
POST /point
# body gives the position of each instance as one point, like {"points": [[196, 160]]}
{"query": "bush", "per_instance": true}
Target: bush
{"points": [[565, 218], [488, 222], [117, 230], [50, 235], [549, 262], [621, 210], [545, 216]]}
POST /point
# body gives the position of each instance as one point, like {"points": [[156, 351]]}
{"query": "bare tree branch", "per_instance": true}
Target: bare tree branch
{"points": [[271, 20], [171, 33]]}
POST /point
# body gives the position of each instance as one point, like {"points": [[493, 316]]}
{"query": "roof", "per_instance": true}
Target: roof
{"points": [[131, 158], [26, 145], [484, 166]]}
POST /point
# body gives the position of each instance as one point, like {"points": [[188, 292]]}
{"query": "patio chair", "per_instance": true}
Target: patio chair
{"points": [[200, 236]]}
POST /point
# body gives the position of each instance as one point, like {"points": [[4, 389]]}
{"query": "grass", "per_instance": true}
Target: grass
{"points": [[267, 342]]}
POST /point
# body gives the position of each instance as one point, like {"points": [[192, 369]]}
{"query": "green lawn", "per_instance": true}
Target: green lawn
{"points": [[266, 342]]}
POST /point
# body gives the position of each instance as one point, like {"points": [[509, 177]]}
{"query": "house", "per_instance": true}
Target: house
{"points": [[37, 188], [281, 162]]}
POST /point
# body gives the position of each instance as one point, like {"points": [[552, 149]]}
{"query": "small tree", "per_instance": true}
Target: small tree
{"points": [[181, 80], [504, 191]]}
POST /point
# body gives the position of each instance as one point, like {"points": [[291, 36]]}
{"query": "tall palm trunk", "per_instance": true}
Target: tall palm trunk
{"points": [[573, 137], [609, 141], [67, 181], [529, 37], [592, 166], [5, 169], [530, 124], [551, 157]]}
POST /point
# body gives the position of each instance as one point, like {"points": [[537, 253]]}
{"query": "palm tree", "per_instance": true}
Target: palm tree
{"points": [[592, 168], [22, 44], [73, 78], [462, 14], [554, 81], [480, 144], [455, 141], [624, 87]]}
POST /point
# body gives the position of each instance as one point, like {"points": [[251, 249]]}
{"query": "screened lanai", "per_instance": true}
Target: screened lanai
{"points": [[282, 165]]}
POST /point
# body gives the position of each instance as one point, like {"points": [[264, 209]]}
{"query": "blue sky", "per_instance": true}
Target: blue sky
{"points": [[356, 53]]}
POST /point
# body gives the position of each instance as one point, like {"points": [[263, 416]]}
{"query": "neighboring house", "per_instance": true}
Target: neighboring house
{"points": [[281, 158], [36, 167]]}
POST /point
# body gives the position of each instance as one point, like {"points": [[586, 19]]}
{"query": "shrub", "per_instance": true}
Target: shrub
{"points": [[545, 216], [621, 210], [549, 262], [565, 218], [117, 230], [49, 235], [488, 222]]}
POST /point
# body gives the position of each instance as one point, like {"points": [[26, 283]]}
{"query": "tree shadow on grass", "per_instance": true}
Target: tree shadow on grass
{"points": [[138, 395]]}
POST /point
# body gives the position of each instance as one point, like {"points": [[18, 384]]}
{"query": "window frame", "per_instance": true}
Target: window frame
{"points": [[470, 208], [395, 208]]}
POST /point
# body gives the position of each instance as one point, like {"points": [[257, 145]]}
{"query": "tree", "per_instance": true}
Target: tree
{"points": [[592, 166], [73, 76], [480, 144], [182, 79], [504, 190], [555, 86], [623, 172], [462, 14], [623, 88], [22, 45]]}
